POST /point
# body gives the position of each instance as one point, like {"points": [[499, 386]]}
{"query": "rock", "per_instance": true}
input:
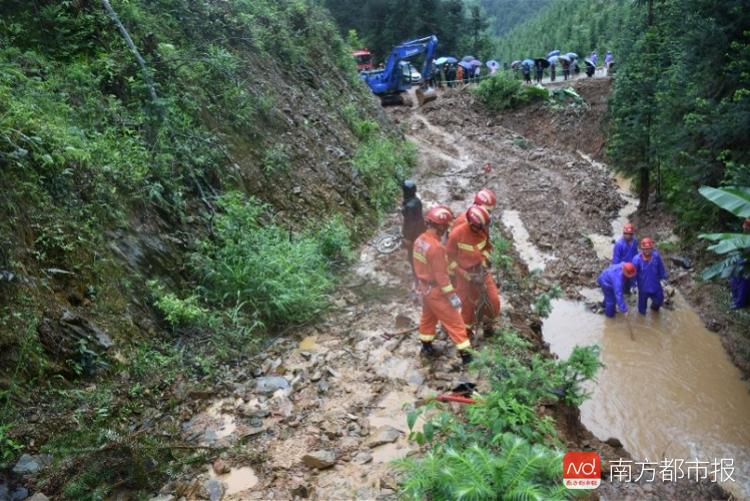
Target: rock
{"points": [[299, 490], [28, 464], [682, 262], [323, 386], [268, 385], [213, 489], [332, 372], [362, 457], [613, 442], [220, 467], [319, 459], [384, 435], [316, 376], [19, 494], [38, 497]]}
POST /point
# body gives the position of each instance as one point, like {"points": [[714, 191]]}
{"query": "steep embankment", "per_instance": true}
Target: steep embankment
{"points": [[115, 200]]}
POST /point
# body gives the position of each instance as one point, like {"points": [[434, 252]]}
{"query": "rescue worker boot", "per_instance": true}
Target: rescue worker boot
{"points": [[488, 331], [428, 350], [466, 357]]}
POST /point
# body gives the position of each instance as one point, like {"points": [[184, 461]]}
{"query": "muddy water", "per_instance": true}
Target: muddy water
{"points": [[667, 390], [237, 481], [533, 257]]}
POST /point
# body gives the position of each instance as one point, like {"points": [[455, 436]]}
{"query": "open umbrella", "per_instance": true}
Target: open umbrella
{"points": [[589, 62], [564, 58], [527, 62], [466, 65], [467, 59], [542, 61], [515, 64], [476, 62], [572, 55], [492, 64], [553, 60], [445, 60], [553, 53]]}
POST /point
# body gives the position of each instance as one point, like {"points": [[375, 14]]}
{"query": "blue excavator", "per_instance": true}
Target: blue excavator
{"points": [[391, 82]]}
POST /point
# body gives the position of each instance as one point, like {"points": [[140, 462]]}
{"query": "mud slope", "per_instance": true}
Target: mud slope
{"points": [[332, 432]]}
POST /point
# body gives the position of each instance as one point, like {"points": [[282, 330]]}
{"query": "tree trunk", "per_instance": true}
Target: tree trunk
{"points": [[644, 189], [133, 49]]}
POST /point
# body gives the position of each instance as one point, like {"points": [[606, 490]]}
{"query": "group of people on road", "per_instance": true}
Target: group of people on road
{"points": [[635, 265], [568, 63], [450, 260]]}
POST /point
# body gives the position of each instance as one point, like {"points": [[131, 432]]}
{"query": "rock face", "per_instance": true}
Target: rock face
{"points": [[320, 459], [28, 464], [268, 385]]}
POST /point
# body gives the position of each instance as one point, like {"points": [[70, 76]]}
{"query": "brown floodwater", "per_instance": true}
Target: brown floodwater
{"points": [[667, 390]]}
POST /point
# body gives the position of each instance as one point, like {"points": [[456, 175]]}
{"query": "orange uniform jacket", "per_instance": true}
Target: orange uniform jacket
{"points": [[466, 248], [430, 262], [431, 268]]}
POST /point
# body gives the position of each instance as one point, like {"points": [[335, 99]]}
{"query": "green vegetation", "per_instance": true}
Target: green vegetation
{"points": [[500, 448], [505, 15], [579, 26], [502, 92], [735, 247], [461, 27], [680, 104]]}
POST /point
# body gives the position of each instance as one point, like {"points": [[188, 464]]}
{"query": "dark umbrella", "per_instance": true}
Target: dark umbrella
{"points": [[542, 61], [515, 64], [589, 62], [553, 53]]}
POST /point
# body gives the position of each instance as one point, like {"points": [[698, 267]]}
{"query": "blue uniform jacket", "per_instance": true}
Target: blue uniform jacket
{"points": [[649, 272], [612, 278], [624, 252]]}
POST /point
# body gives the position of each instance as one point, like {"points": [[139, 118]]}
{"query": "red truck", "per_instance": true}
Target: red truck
{"points": [[364, 60]]}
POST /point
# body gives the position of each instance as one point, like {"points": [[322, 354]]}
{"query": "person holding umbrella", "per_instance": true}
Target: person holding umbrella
{"points": [[553, 60], [565, 63], [609, 60], [526, 66]]}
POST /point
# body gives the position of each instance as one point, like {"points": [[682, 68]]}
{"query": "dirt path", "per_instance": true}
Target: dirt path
{"points": [[345, 387]]}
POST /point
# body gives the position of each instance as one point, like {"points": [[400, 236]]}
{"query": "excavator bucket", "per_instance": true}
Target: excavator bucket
{"points": [[426, 95]]}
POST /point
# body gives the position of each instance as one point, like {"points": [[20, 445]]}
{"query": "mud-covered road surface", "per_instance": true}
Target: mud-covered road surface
{"points": [[320, 415]]}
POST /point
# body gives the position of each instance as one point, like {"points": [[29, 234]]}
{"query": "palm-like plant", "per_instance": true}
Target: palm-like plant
{"points": [[734, 246], [514, 470]]}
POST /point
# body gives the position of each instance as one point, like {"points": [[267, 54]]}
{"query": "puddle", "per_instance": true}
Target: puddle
{"points": [[531, 255], [237, 481], [226, 423], [391, 413], [670, 392]]}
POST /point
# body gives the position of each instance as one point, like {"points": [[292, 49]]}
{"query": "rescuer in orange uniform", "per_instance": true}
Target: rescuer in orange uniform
{"points": [[469, 249], [439, 300]]}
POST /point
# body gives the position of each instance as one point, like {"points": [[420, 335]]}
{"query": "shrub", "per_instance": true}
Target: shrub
{"points": [[382, 162], [502, 92], [334, 242], [178, 312], [278, 278]]}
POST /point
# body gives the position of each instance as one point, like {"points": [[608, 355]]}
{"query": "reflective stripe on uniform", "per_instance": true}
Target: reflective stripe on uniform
{"points": [[487, 254], [464, 346], [448, 288], [481, 244], [452, 266], [466, 247], [419, 257], [426, 337]]}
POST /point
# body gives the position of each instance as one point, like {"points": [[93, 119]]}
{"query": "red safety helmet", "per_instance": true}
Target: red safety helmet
{"points": [[485, 197], [477, 216], [628, 269], [439, 214], [647, 243], [628, 228]]}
